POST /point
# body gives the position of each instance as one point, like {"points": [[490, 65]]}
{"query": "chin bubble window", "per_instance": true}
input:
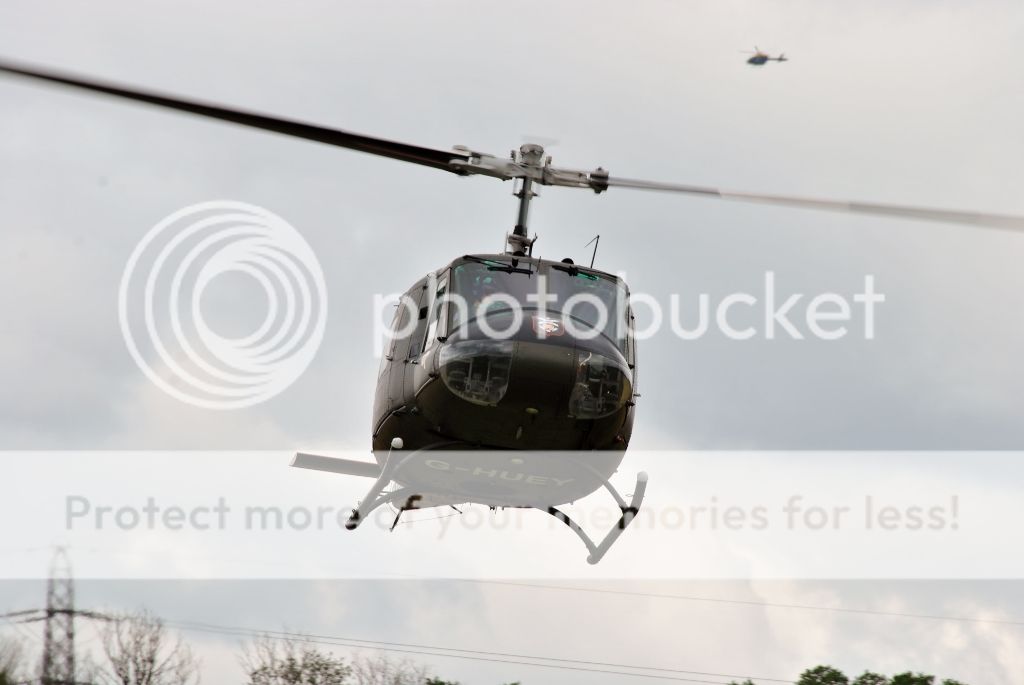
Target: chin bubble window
{"points": [[602, 386], [477, 370]]}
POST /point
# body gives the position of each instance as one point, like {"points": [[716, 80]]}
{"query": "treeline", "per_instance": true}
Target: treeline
{"points": [[827, 675], [137, 649]]}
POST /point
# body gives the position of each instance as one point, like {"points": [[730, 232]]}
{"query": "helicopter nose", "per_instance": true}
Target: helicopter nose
{"points": [[512, 373], [537, 377], [541, 378], [571, 382], [543, 368]]}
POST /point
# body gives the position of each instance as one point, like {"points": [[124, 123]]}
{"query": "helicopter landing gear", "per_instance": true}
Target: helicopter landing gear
{"points": [[505, 470], [629, 512], [373, 498], [407, 497]]}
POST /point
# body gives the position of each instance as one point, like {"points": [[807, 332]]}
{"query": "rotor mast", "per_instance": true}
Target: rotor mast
{"points": [[528, 167], [531, 155]]}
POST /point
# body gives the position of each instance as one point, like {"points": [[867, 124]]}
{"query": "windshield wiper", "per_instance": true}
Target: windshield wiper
{"points": [[573, 270], [493, 265], [509, 269]]}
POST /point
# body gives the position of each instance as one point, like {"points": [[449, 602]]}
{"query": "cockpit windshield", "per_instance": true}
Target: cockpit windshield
{"points": [[597, 301], [497, 282], [593, 301]]}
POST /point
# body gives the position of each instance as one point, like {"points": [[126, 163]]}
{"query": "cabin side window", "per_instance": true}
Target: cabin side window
{"points": [[389, 343], [395, 344], [437, 309], [414, 344], [630, 340]]}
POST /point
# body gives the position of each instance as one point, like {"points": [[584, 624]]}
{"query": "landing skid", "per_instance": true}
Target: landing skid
{"points": [[405, 498], [597, 551]]}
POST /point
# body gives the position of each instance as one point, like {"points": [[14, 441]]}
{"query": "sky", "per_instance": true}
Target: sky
{"points": [[910, 102]]}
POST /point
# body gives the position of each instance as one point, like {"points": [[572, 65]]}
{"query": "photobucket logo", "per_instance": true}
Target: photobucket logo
{"points": [[177, 266], [594, 307]]}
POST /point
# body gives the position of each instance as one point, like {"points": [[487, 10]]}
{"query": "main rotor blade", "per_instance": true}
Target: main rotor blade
{"points": [[1003, 221], [437, 159]]}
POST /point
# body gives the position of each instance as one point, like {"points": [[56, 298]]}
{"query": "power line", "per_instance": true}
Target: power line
{"points": [[751, 602], [364, 644], [21, 630], [24, 612], [475, 655]]}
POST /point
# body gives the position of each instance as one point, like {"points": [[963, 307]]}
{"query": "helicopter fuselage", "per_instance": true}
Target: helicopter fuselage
{"points": [[464, 370], [761, 58]]}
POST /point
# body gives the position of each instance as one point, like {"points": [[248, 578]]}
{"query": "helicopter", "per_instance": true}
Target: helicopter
{"points": [[536, 418], [758, 58]]}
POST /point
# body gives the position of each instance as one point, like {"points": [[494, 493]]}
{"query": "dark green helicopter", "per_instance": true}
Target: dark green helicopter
{"points": [[759, 58], [537, 416]]}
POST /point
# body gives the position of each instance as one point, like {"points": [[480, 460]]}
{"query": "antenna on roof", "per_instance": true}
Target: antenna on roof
{"points": [[596, 240]]}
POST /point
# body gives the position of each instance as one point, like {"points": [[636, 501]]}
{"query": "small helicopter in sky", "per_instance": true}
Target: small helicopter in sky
{"points": [[758, 58], [540, 417]]}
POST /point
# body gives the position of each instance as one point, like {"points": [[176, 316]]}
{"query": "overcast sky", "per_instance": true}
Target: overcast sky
{"points": [[909, 102]]}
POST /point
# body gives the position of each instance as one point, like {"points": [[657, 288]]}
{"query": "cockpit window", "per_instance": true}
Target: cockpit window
{"points": [[476, 280], [495, 284], [593, 300]]}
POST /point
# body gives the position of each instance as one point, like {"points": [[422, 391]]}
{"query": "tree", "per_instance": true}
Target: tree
{"points": [[909, 678], [381, 670], [289, 662], [11, 661], [827, 675], [869, 678], [140, 652], [823, 675]]}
